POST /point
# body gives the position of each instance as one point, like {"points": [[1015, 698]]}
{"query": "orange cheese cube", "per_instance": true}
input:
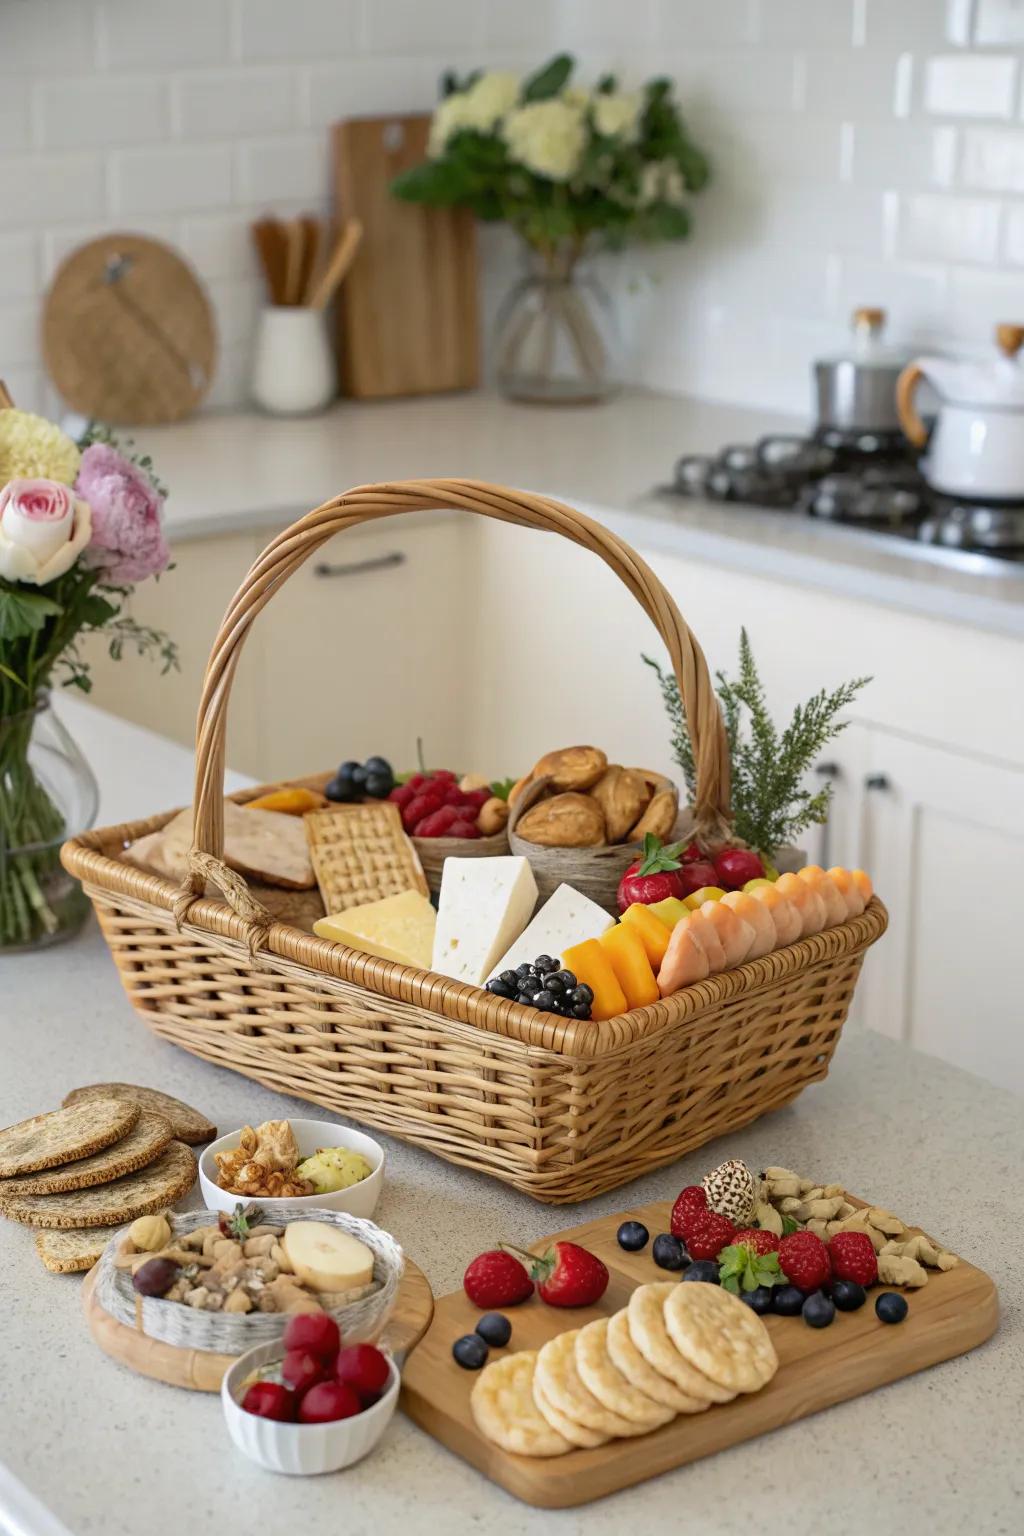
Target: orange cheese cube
{"points": [[592, 966], [631, 965], [653, 934]]}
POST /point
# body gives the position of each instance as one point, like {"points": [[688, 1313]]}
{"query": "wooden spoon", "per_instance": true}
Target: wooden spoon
{"points": [[268, 237], [342, 257], [311, 232], [294, 240]]}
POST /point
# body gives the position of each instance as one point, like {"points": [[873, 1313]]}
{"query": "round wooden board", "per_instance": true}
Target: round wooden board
{"points": [[202, 1371], [128, 332]]}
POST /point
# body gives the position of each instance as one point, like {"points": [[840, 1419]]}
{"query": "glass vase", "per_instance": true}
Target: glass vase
{"points": [[556, 339], [47, 794]]}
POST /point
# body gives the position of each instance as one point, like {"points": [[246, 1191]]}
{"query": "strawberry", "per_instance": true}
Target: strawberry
{"points": [[437, 823], [756, 1239], [496, 1279], [804, 1260], [690, 1202], [708, 1234], [464, 827], [654, 876], [568, 1275], [852, 1255]]}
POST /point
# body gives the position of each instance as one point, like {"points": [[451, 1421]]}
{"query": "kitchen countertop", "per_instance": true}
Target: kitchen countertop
{"points": [[230, 472], [89, 1444]]}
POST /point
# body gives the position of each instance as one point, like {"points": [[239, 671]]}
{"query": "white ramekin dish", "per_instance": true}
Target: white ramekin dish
{"points": [[301, 1449], [358, 1200]]}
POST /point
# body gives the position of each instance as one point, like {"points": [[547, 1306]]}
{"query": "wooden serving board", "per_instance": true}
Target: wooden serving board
{"points": [[202, 1370], [951, 1314]]}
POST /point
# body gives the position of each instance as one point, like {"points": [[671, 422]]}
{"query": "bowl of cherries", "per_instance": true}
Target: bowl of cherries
{"points": [[321, 1407]]}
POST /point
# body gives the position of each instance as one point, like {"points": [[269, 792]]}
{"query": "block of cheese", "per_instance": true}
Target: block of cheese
{"points": [[397, 928], [483, 907], [565, 918]]}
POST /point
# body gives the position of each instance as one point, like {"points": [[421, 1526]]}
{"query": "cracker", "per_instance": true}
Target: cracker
{"points": [[561, 1385], [261, 845], [649, 1334], [65, 1253], [607, 1383], [576, 1434], [143, 1144], [720, 1336], [504, 1410], [62, 1135], [187, 1124], [361, 854], [150, 1189], [628, 1360]]}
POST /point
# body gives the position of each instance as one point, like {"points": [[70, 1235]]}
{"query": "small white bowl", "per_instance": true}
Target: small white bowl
{"points": [[359, 1199], [301, 1449]]}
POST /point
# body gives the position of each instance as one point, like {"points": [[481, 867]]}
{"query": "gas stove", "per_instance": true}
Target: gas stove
{"points": [[869, 480]]}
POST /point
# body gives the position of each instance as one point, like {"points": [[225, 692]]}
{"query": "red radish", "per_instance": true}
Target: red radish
{"points": [[654, 876], [733, 867], [327, 1401], [364, 1369], [269, 1400], [315, 1332], [301, 1369], [692, 877]]}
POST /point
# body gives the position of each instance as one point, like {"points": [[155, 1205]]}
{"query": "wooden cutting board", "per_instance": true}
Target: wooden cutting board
{"points": [[407, 316], [955, 1311]]}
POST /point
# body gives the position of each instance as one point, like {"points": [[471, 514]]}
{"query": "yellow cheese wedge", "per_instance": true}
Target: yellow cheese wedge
{"points": [[398, 928]]}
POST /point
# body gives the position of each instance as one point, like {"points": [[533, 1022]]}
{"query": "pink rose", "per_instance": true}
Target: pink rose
{"points": [[43, 530], [127, 539]]}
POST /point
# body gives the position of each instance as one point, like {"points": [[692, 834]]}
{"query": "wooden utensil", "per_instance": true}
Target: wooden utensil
{"points": [[342, 257], [407, 320], [268, 237], [312, 231], [294, 240]]}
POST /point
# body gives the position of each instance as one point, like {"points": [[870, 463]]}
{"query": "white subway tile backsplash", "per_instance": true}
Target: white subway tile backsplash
{"points": [[722, 86], [229, 104], [102, 110], [913, 23], [369, 86], [39, 190], [827, 216], [52, 35], [26, 387], [295, 167], [238, 303], [305, 30], [1013, 239], [934, 228], [19, 327], [978, 302], [689, 23], [170, 177], [163, 36], [525, 23], [970, 85], [911, 293], [999, 21], [19, 266], [993, 159], [856, 84], [409, 26], [901, 154], [807, 23], [783, 148], [219, 246], [15, 114]]}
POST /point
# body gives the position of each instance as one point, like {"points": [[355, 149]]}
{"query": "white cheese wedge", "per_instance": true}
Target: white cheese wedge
{"points": [[397, 928], [484, 906], [566, 918]]}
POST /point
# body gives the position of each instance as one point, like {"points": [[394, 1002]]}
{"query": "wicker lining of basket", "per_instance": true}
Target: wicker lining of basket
{"points": [[231, 1333]]}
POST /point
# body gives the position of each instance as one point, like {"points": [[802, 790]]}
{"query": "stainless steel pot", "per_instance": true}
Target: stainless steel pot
{"points": [[856, 392]]}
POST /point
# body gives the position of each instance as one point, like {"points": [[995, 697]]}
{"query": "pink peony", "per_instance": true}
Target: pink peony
{"points": [[127, 539]]}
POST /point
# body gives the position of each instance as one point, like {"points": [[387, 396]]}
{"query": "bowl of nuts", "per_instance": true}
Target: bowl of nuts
{"points": [[294, 1162]]}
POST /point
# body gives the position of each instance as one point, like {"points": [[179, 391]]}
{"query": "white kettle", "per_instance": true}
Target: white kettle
{"points": [[977, 445]]}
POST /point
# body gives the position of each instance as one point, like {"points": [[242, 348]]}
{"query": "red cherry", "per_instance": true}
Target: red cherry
{"points": [[301, 1369], [327, 1401], [693, 876], [315, 1332], [735, 866], [269, 1400], [364, 1369]]}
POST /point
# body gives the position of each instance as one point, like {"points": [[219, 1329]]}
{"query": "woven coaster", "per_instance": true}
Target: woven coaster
{"points": [[361, 853], [187, 1124]]}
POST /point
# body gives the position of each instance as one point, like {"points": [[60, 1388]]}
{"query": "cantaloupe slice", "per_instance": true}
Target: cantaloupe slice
{"points": [[863, 884], [735, 936], [787, 919], [629, 961], [848, 890], [653, 933], [685, 959], [591, 965], [707, 937], [760, 919], [835, 904], [807, 902]]}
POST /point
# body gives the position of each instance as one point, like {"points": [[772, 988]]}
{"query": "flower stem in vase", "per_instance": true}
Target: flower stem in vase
{"points": [[30, 826]]}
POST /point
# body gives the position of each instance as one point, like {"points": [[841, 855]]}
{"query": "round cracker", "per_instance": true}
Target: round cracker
{"points": [[606, 1382], [627, 1359], [150, 1189], [504, 1410], [561, 1385], [62, 1135], [720, 1336], [576, 1434], [67, 1253], [187, 1124], [143, 1144], [649, 1334]]}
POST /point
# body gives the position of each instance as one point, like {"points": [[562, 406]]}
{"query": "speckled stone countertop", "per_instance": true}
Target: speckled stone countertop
{"points": [[110, 1453]]}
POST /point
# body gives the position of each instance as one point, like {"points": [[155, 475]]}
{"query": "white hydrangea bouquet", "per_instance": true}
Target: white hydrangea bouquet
{"points": [[569, 169], [80, 526]]}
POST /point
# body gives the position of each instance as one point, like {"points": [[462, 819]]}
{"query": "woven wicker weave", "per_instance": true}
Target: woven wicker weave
{"points": [[555, 1107]]}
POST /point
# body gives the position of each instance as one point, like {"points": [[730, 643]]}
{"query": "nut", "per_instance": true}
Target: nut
{"points": [[571, 768], [493, 816], [238, 1301], [150, 1233], [254, 1247], [471, 781], [565, 821], [894, 1269], [659, 818], [623, 795]]}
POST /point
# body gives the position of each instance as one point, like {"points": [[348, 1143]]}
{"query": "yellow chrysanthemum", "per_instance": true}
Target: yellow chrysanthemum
{"points": [[32, 447]]}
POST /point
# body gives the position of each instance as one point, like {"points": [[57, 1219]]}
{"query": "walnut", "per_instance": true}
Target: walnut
{"points": [[623, 795], [571, 768], [565, 821], [659, 818]]}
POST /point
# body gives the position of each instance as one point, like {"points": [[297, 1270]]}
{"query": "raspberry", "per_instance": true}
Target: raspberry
{"points": [[707, 1234], [853, 1257], [803, 1259], [423, 803], [690, 1202], [464, 827], [758, 1240], [437, 823]]}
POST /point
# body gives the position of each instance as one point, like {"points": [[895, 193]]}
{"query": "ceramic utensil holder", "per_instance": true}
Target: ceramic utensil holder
{"points": [[294, 371]]}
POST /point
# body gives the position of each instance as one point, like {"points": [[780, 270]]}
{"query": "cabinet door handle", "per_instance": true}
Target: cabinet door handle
{"points": [[829, 771], [360, 567], [878, 781]]}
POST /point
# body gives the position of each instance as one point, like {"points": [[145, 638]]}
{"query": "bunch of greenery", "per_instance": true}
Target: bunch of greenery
{"points": [[770, 805]]}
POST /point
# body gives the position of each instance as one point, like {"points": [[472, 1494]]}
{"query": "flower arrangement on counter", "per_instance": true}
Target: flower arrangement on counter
{"points": [[80, 526]]}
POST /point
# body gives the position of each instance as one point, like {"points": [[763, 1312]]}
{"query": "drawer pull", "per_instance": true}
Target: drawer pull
{"points": [[878, 781], [360, 567]]}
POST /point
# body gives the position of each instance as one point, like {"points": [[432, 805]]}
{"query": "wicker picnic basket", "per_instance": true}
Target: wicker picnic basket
{"points": [[560, 1109]]}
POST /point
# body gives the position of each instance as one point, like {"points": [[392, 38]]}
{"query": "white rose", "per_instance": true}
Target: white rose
{"points": [[547, 137], [661, 181], [449, 117], [490, 98], [43, 529], [616, 115]]}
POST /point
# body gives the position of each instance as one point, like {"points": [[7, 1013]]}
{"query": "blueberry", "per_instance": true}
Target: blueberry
{"points": [[568, 980], [632, 1236], [581, 1010], [509, 978], [759, 1300], [891, 1307], [583, 994], [524, 969], [378, 765], [470, 1351], [544, 963], [494, 1329], [848, 1295], [787, 1301], [339, 789], [554, 984], [818, 1310], [358, 775], [348, 769], [668, 1252], [500, 988], [543, 1000], [703, 1269], [378, 785]]}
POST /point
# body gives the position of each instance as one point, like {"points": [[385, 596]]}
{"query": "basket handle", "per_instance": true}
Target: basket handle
{"points": [[367, 503]]}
